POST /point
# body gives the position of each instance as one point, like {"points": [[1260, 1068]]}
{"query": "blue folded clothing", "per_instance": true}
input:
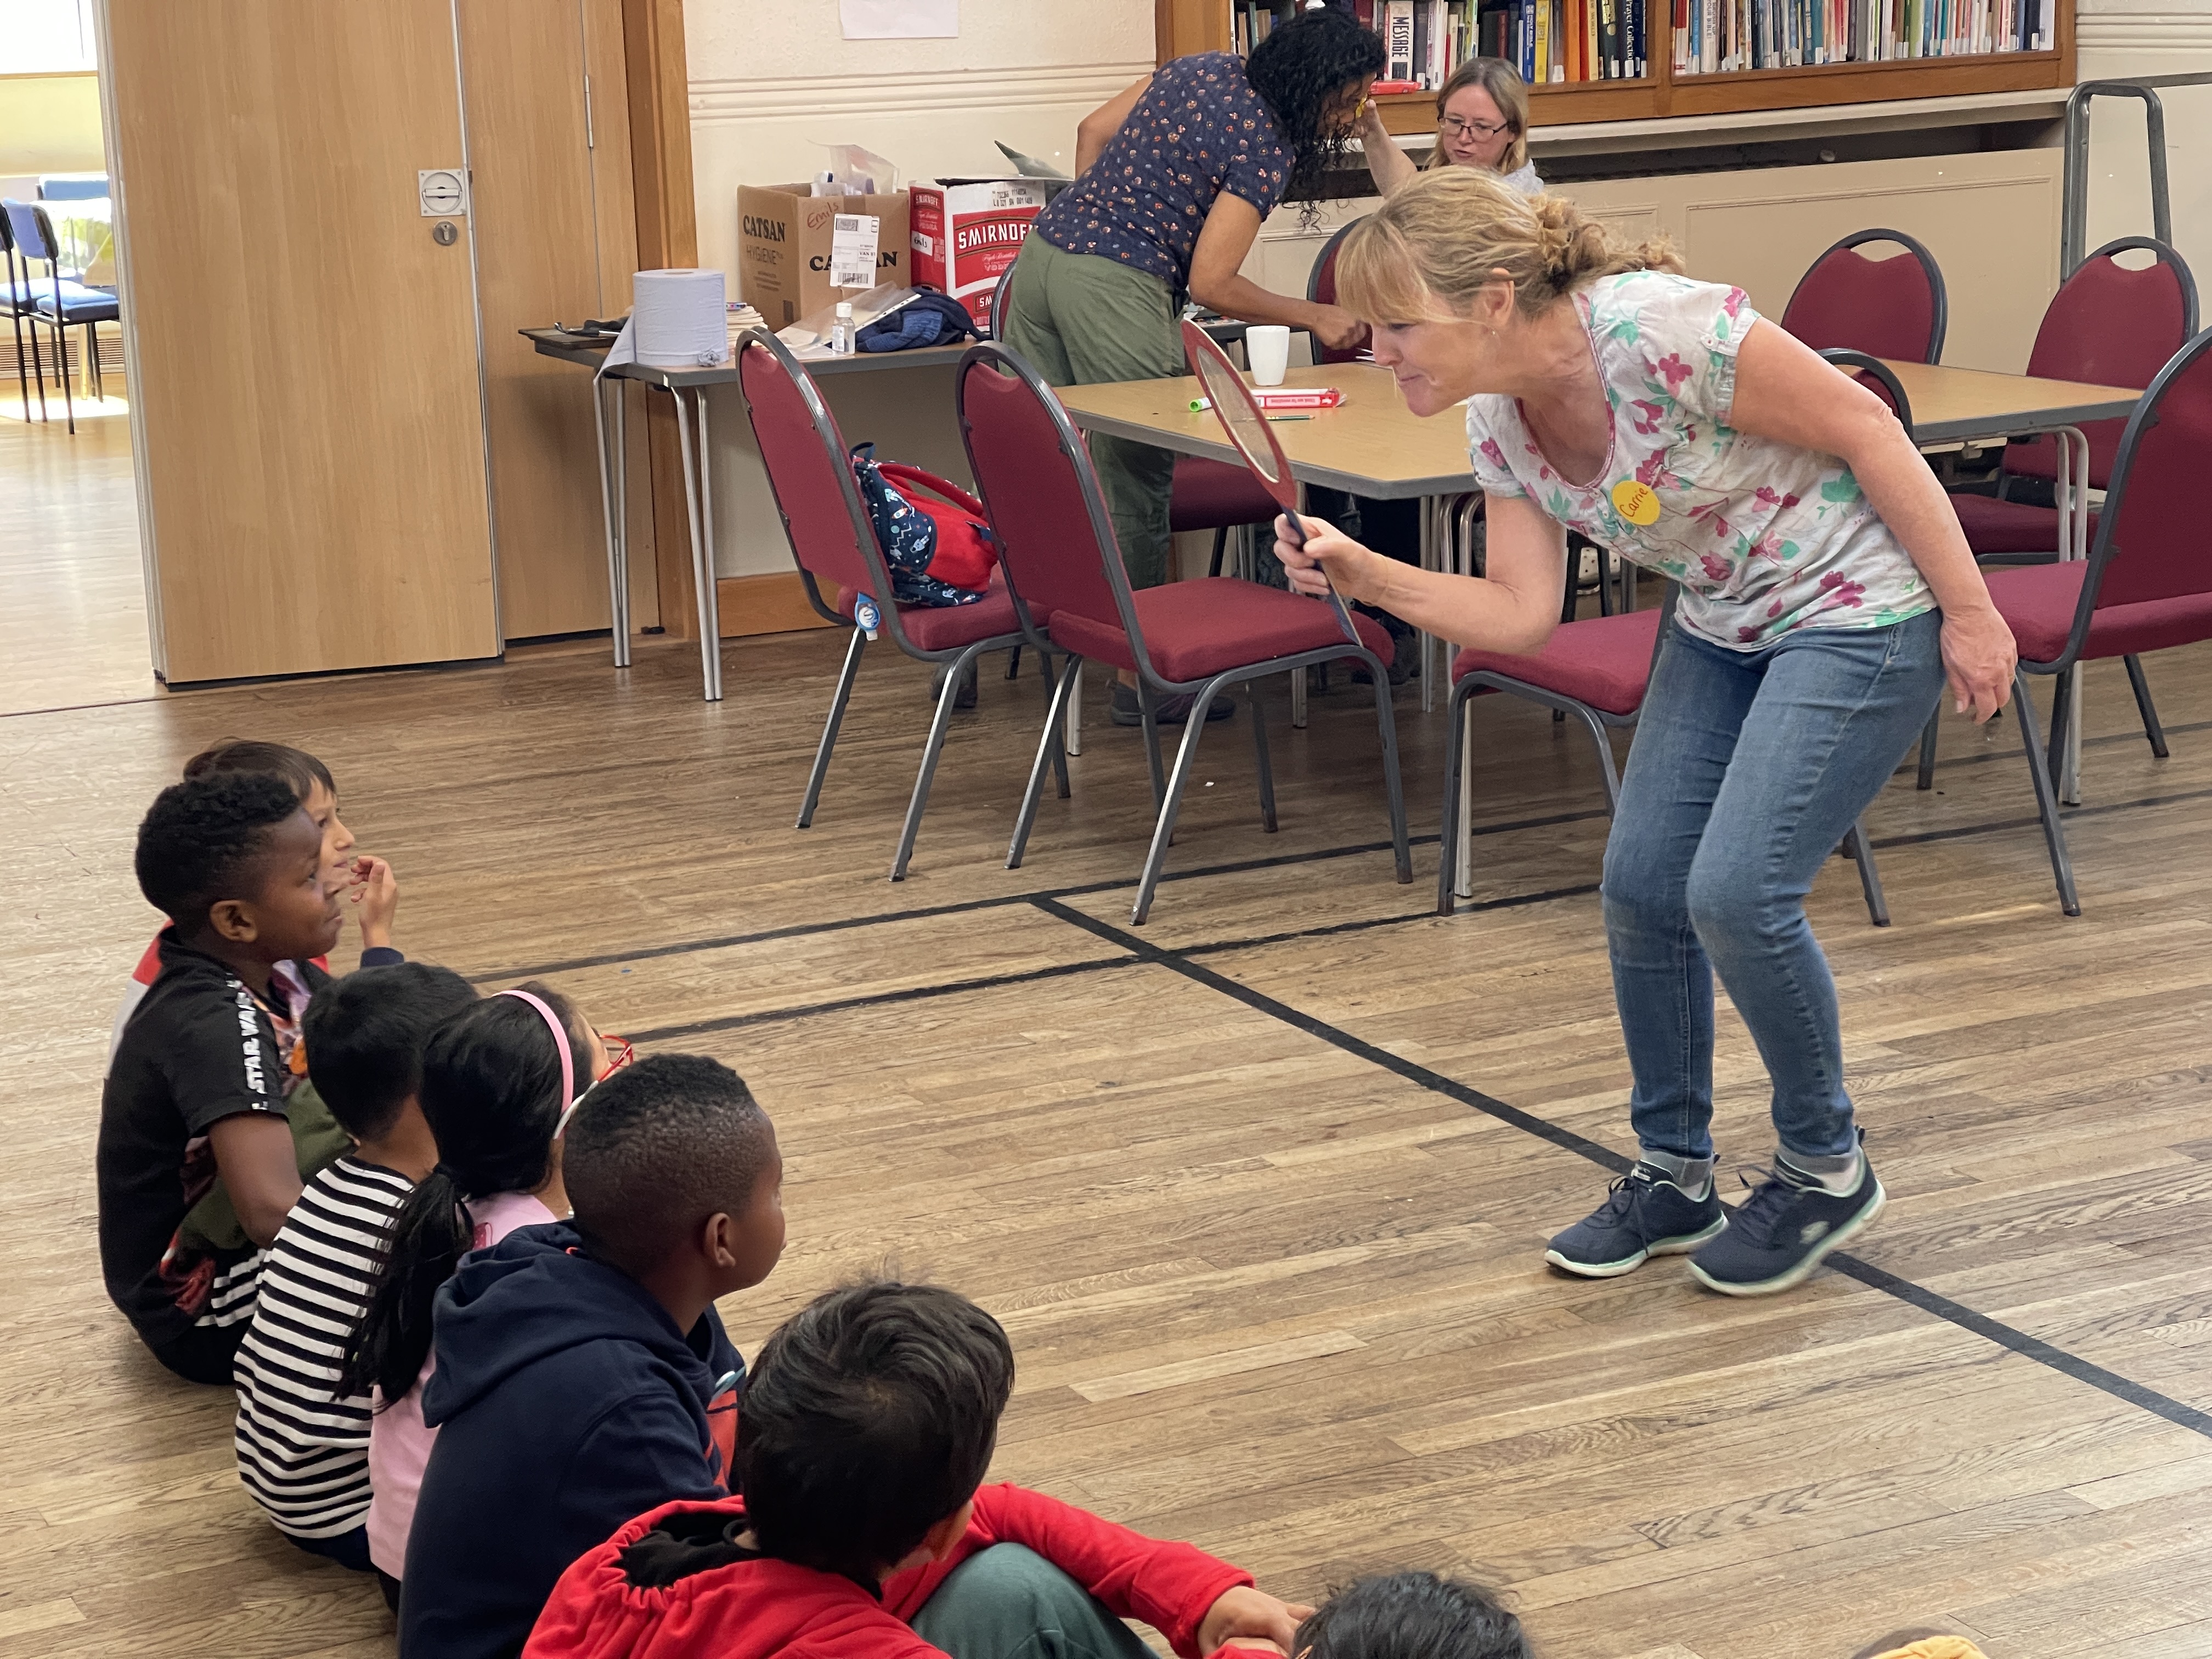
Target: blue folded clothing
{"points": [[927, 319]]}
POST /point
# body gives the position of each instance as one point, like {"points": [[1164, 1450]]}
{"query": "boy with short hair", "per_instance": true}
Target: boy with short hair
{"points": [[582, 1373], [303, 1448], [197, 1089], [864, 1435]]}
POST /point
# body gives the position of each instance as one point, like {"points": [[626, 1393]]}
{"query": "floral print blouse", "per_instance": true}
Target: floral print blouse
{"points": [[1765, 538], [1198, 130]]}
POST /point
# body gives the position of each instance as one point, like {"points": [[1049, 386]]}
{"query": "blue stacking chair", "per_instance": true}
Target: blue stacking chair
{"points": [[60, 303], [56, 187]]}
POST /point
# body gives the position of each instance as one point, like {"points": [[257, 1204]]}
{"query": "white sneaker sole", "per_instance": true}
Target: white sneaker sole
{"points": [[1681, 1246], [1798, 1274]]}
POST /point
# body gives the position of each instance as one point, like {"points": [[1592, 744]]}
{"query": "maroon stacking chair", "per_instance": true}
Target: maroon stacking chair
{"points": [[1597, 671], [1072, 593], [1321, 291], [1891, 307], [833, 541], [2146, 586], [1207, 495], [2106, 326]]}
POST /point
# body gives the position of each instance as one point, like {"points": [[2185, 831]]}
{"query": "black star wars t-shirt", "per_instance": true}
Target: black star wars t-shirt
{"points": [[199, 1048]]}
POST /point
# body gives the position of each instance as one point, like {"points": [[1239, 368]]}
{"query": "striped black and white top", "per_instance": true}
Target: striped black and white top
{"points": [[302, 1454]]}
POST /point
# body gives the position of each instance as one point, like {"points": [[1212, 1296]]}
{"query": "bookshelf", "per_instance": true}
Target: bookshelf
{"points": [[1189, 26]]}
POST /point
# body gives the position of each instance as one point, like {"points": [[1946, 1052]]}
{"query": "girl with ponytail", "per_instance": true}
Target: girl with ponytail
{"points": [[498, 1079], [1825, 594]]}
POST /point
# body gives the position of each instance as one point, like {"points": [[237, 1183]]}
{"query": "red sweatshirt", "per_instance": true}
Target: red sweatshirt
{"points": [[754, 1608]]}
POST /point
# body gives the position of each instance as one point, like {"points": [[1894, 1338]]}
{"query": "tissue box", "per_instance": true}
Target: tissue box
{"points": [[783, 248], [966, 233]]}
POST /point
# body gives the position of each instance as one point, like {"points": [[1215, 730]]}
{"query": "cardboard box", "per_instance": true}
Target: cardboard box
{"points": [[967, 232], [783, 248]]}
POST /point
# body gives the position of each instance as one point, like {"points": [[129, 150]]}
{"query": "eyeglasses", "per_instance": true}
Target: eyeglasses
{"points": [[1459, 128], [620, 1052]]}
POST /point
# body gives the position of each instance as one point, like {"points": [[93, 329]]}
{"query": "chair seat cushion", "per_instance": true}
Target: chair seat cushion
{"points": [[26, 295], [1196, 630], [1214, 495], [1996, 526], [87, 307], [1604, 661], [953, 627], [2037, 602]]}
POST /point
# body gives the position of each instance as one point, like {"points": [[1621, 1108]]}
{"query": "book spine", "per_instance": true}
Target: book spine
{"points": [[1398, 39]]}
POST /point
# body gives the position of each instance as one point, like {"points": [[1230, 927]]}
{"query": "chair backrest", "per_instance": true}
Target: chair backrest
{"points": [[810, 473], [2151, 537], [52, 189], [1891, 307], [28, 225], [1874, 375], [2109, 325], [1321, 291], [1055, 538]]}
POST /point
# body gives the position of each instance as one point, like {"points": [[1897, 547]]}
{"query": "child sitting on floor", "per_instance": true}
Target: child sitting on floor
{"points": [[1412, 1615], [863, 1438], [582, 1373], [302, 1448], [198, 1089], [497, 1080]]}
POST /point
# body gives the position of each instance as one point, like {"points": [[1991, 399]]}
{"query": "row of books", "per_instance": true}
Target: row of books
{"points": [[1714, 37], [1424, 41]]}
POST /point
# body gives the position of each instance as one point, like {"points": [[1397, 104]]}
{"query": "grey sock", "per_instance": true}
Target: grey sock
{"points": [[1694, 1175], [1839, 1174]]}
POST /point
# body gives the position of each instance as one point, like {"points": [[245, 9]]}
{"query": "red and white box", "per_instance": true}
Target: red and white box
{"points": [[967, 231]]}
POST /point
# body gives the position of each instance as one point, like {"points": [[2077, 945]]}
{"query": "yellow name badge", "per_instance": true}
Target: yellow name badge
{"points": [[1637, 502]]}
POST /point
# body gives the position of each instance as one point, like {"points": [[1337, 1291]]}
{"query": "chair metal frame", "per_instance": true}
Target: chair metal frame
{"points": [[1940, 312], [1598, 722], [58, 318], [1167, 790], [872, 554]]}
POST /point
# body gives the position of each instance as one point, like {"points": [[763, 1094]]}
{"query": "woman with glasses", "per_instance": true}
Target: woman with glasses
{"points": [[1482, 121]]}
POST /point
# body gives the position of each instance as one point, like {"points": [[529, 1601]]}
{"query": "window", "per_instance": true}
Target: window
{"points": [[46, 37]]}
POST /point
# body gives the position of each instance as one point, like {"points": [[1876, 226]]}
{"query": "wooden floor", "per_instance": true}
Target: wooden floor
{"points": [[1259, 1190]]}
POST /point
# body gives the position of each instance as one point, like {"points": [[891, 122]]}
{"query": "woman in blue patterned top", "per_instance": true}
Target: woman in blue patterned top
{"points": [[1174, 178], [1826, 595]]}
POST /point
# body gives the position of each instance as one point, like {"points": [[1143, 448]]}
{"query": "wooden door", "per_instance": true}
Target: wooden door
{"points": [[556, 241], [304, 355]]}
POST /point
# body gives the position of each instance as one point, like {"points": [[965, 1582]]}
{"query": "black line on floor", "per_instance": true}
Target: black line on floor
{"points": [[964, 907], [1941, 1307], [2066, 815]]}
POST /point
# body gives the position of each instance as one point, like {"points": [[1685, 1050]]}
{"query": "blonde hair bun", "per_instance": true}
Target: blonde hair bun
{"points": [[1449, 235]]}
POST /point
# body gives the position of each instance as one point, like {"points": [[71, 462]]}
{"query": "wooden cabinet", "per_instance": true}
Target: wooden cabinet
{"points": [[1189, 26]]}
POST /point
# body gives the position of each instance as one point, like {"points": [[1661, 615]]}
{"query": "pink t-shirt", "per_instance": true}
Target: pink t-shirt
{"points": [[399, 1441]]}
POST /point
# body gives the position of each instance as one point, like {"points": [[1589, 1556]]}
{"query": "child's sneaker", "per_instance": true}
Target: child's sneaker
{"points": [[1645, 1214], [1787, 1223]]}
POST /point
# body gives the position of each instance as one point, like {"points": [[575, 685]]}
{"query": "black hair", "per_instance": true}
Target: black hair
{"points": [[1300, 70], [364, 1036], [299, 768], [1412, 1615], [491, 1094], [199, 842], [869, 1416], [658, 1148]]}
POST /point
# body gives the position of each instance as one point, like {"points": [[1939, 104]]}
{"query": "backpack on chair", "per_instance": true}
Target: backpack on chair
{"points": [[940, 551]]}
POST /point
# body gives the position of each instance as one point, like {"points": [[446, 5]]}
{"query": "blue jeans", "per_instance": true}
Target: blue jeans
{"points": [[1748, 768]]}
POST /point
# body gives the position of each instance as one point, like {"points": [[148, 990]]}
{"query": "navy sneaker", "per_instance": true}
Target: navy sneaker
{"points": [[1787, 1223], [1644, 1214]]}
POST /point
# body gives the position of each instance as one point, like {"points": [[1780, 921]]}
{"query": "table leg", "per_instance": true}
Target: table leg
{"points": [[2072, 544], [616, 581], [1074, 741], [702, 568], [622, 524], [710, 592], [1429, 557], [1299, 699], [1463, 872]]}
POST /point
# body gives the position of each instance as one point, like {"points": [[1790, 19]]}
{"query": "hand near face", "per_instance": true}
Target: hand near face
{"points": [[1251, 1618]]}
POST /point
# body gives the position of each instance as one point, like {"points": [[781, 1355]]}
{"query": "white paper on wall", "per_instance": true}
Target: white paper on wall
{"points": [[900, 20]]}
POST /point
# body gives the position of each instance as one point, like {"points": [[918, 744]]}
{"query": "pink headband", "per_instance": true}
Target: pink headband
{"points": [[560, 1042]]}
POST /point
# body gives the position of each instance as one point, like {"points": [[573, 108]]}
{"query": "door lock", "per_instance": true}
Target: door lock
{"points": [[445, 232]]}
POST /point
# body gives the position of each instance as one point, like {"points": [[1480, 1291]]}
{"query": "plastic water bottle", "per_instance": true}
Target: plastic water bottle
{"points": [[841, 331], [865, 614]]}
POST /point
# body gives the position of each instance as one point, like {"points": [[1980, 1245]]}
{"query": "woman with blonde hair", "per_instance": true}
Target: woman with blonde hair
{"points": [[1482, 121], [1827, 593]]}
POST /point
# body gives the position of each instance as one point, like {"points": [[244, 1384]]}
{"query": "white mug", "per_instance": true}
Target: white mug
{"points": [[1268, 347]]}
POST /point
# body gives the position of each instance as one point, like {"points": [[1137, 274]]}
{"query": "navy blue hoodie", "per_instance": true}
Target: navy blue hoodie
{"points": [[566, 1402]]}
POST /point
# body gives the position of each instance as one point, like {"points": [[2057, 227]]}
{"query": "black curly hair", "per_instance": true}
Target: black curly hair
{"points": [[1412, 1615], [1299, 70], [200, 840]]}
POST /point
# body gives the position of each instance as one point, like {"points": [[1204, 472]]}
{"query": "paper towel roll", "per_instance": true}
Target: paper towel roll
{"points": [[681, 318]]}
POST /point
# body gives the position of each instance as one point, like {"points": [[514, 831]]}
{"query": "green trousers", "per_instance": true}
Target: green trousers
{"points": [[1007, 1602], [1083, 320]]}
